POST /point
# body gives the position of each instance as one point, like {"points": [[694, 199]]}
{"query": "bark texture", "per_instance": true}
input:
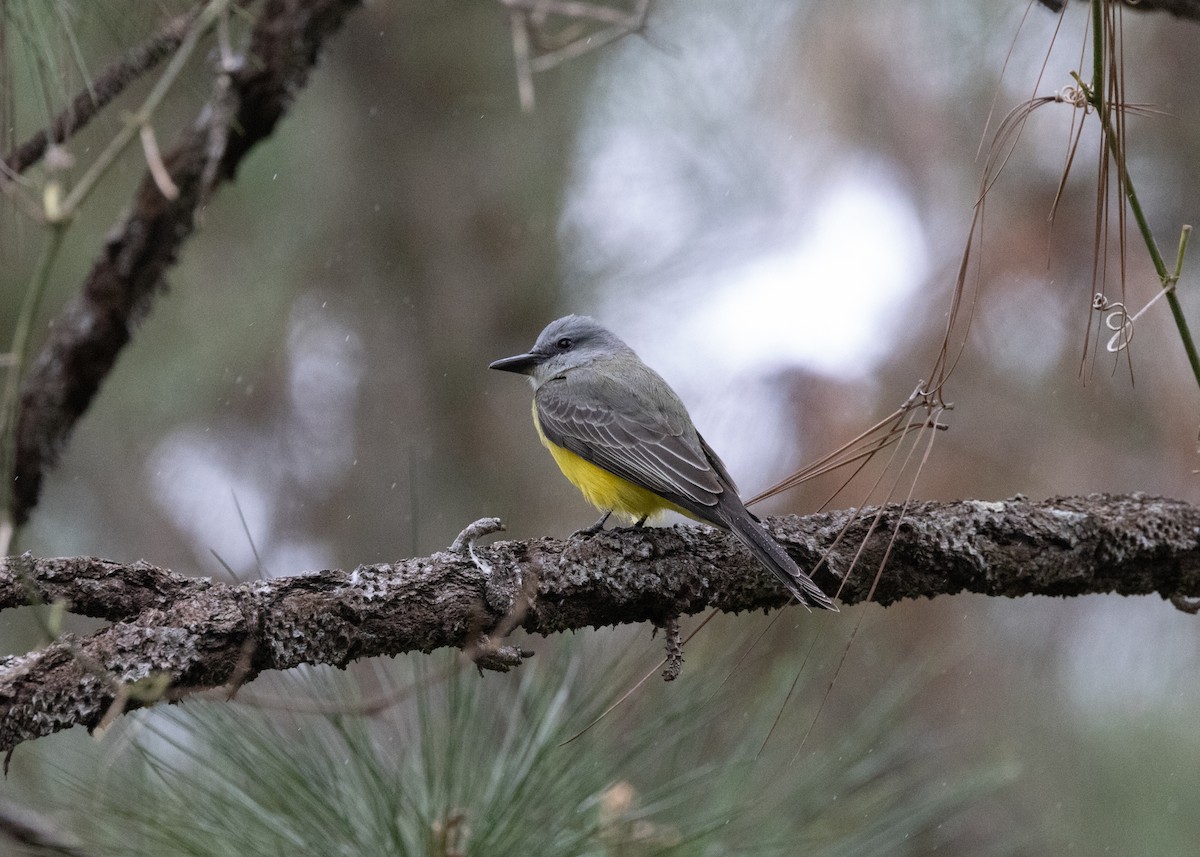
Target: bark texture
{"points": [[189, 634]]}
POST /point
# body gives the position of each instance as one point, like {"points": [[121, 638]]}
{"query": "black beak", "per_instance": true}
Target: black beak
{"points": [[522, 363]]}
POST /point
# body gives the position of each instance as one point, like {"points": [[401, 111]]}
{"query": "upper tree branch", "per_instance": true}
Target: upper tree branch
{"points": [[1179, 8], [87, 337], [106, 86], [198, 633]]}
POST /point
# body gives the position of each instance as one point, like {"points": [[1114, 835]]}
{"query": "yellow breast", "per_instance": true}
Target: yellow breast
{"points": [[606, 491]]}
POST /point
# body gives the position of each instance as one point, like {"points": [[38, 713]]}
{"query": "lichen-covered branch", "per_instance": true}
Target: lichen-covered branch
{"points": [[186, 634], [87, 337]]}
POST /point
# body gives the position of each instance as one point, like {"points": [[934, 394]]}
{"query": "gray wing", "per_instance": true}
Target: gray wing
{"points": [[638, 429]]}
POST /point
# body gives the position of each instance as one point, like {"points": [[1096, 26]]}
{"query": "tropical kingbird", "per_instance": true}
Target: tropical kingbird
{"points": [[621, 435]]}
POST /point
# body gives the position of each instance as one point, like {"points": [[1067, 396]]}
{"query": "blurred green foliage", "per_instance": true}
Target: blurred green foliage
{"points": [[464, 764]]}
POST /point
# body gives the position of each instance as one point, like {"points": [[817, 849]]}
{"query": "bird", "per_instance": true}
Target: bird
{"points": [[624, 438]]}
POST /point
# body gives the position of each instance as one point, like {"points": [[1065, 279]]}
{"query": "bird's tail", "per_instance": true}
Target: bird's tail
{"points": [[771, 554]]}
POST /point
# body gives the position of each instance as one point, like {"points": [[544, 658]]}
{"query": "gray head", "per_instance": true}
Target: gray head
{"points": [[567, 343]]}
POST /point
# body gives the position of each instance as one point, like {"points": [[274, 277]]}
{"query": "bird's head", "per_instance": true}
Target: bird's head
{"points": [[566, 343]]}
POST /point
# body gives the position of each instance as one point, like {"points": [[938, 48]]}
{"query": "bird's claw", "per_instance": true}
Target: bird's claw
{"points": [[588, 532]]}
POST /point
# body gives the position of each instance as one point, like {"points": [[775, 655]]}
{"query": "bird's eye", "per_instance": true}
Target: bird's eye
{"points": [[564, 343]]}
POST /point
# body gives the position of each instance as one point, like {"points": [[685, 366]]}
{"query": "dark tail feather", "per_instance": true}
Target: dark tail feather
{"points": [[771, 554]]}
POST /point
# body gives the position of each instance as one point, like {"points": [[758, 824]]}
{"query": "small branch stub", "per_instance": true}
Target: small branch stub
{"points": [[473, 532], [674, 664]]}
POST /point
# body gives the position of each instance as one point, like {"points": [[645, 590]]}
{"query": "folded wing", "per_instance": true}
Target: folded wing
{"points": [[639, 432]]}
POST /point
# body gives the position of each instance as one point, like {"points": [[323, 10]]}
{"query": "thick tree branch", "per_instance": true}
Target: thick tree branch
{"points": [[87, 337], [198, 633]]}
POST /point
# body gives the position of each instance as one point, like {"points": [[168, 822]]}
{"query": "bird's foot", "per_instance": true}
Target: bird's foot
{"points": [[594, 528]]}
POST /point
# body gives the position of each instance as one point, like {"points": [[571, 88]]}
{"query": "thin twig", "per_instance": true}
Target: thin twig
{"points": [[1095, 94], [106, 86], [18, 355], [207, 18]]}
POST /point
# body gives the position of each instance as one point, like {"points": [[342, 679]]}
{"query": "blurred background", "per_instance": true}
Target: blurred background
{"points": [[768, 200]]}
